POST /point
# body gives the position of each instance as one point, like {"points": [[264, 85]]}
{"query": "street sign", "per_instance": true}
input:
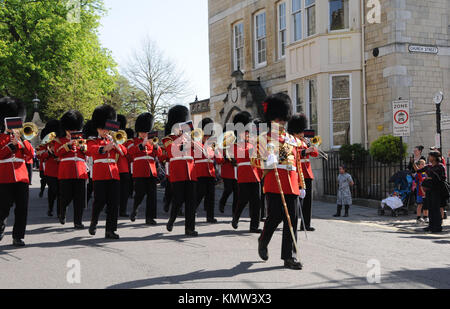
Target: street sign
{"points": [[401, 119], [445, 122]]}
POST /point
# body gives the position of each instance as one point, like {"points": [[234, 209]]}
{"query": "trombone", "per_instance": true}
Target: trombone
{"points": [[29, 131]]}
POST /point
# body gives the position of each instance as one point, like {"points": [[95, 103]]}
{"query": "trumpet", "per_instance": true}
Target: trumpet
{"points": [[29, 131], [317, 142], [226, 140], [49, 138], [120, 137], [197, 135]]}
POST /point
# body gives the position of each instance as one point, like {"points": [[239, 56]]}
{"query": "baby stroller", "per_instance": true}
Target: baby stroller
{"points": [[402, 196]]}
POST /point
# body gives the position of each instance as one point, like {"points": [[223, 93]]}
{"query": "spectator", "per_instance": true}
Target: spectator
{"points": [[420, 194], [434, 190], [416, 157], [345, 181]]}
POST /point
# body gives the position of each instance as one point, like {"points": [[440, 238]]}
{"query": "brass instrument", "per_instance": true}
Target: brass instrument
{"points": [[155, 141], [29, 131], [317, 142], [120, 137], [197, 135], [49, 138], [226, 140]]}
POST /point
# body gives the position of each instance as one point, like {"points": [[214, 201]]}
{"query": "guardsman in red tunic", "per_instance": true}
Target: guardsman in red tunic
{"points": [[29, 163], [144, 154], [72, 172], [168, 194], [128, 145], [124, 171], [47, 154], [39, 152], [105, 174], [179, 147], [297, 127], [204, 170], [278, 111], [248, 175], [228, 173], [14, 181]]}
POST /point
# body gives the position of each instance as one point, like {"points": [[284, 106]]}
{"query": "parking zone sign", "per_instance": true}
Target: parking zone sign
{"points": [[401, 118]]}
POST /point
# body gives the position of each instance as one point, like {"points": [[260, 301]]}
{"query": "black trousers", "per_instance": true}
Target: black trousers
{"points": [[434, 203], [131, 183], [263, 201], [184, 193], [206, 189], [73, 190], [307, 204], [106, 192], [53, 191], [90, 189], [230, 187], [30, 171], [15, 194], [168, 193], [43, 181], [276, 215], [124, 192], [146, 187], [249, 193]]}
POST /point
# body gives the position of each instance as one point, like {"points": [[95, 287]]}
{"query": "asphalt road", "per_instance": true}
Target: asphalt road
{"points": [[335, 256]]}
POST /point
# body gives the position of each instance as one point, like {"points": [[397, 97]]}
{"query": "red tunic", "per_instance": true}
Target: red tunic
{"points": [[306, 161], [51, 164], [12, 161], [105, 163], [72, 160], [42, 149], [124, 161], [246, 172], [181, 158], [204, 164], [228, 169], [144, 158]]}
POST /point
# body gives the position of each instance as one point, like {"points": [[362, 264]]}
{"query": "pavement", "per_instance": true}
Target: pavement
{"points": [[363, 251]]}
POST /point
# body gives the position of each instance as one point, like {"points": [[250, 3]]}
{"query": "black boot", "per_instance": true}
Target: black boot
{"points": [[112, 235], [262, 250], [170, 225], [347, 208], [339, 210], [93, 229], [18, 243], [133, 215], [293, 264], [191, 233]]}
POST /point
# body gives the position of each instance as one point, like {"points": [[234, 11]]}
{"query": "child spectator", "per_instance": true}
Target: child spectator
{"points": [[420, 194], [344, 196]]}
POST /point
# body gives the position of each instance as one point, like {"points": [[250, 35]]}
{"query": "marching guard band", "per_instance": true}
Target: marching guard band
{"points": [[267, 168]]}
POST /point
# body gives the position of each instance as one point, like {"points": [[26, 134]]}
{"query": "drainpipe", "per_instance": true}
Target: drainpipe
{"points": [[363, 39]]}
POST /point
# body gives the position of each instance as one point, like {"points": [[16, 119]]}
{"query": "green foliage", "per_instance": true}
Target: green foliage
{"points": [[44, 52], [388, 149], [353, 153]]}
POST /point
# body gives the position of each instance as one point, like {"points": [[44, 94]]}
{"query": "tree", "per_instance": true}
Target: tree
{"points": [[157, 77], [43, 51]]}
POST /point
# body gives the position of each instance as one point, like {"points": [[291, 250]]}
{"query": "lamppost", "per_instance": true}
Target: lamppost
{"points": [[165, 116], [438, 98], [36, 102]]}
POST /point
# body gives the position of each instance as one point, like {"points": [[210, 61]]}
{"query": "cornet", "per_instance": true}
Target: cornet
{"points": [[29, 131], [120, 137]]}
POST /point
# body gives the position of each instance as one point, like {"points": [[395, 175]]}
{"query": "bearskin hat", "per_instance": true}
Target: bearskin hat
{"points": [[144, 123], [242, 118], [297, 124], [89, 130], [130, 133], [102, 114], [11, 107], [53, 126], [277, 106], [177, 114], [123, 121], [72, 121]]}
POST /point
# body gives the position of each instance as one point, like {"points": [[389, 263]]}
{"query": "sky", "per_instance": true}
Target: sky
{"points": [[179, 28]]}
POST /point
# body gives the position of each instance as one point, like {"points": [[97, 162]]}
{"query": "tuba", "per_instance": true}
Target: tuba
{"points": [[120, 137], [29, 131]]}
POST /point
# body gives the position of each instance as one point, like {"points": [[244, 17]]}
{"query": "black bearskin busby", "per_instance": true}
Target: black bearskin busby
{"points": [[207, 126], [277, 106], [130, 133], [144, 123], [11, 107], [53, 126], [102, 114], [177, 114], [89, 131], [297, 124], [243, 118], [71, 121], [123, 121]]}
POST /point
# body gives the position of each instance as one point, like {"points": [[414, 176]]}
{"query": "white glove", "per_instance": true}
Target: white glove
{"points": [[272, 161], [302, 193]]}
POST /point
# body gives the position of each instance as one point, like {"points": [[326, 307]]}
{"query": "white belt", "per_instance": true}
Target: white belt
{"points": [[205, 161], [144, 158], [76, 159], [181, 159], [287, 168], [244, 164], [13, 160], [106, 161], [305, 161]]}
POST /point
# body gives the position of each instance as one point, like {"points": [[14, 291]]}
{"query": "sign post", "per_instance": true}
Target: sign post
{"points": [[438, 98]]}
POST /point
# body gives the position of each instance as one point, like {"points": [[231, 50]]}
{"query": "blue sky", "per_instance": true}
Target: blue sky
{"points": [[179, 27]]}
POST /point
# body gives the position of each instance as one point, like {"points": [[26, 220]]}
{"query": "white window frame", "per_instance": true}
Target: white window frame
{"points": [[305, 17], [308, 99], [331, 108], [256, 40], [329, 20], [300, 11], [235, 66], [280, 30]]}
